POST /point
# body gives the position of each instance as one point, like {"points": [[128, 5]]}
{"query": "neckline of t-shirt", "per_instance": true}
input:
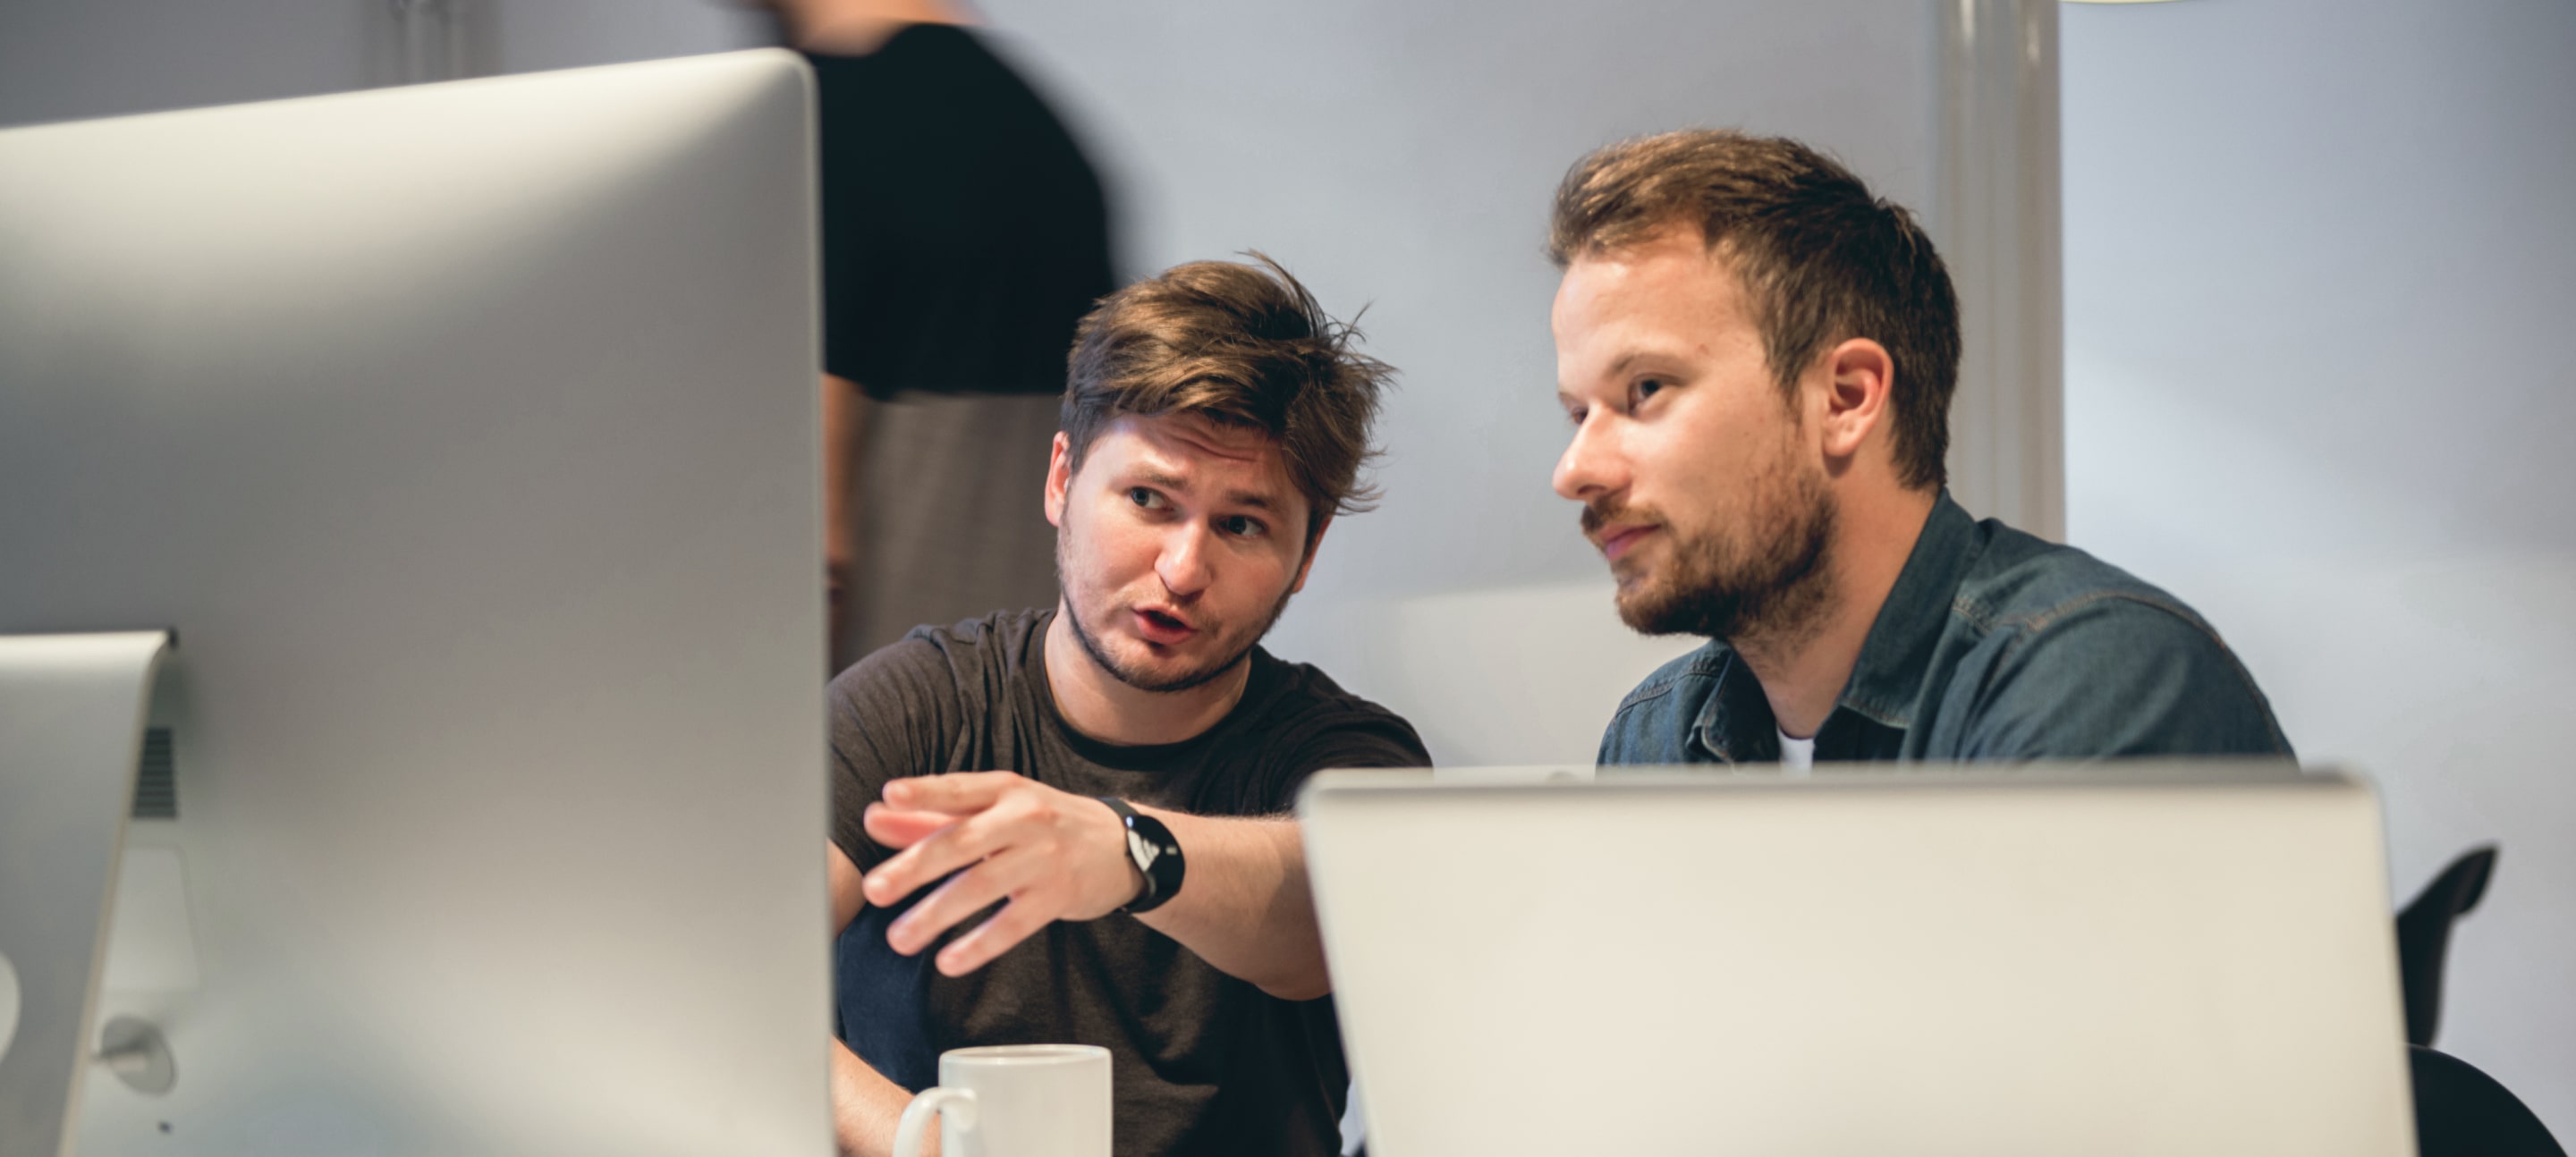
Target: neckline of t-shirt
{"points": [[1147, 757], [1797, 756], [920, 32]]}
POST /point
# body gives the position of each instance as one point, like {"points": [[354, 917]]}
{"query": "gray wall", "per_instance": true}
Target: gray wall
{"points": [[1400, 157], [2318, 267], [61, 60], [64, 59], [532, 35]]}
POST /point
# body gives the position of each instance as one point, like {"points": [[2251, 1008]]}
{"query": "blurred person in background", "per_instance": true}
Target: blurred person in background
{"points": [[964, 235]]}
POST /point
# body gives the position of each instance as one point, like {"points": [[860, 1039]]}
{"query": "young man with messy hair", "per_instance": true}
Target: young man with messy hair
{"points": [[1069, 824]]}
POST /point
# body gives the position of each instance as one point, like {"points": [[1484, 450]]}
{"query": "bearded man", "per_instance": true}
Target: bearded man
{"points": [[1758, 356], [1069, 825]]}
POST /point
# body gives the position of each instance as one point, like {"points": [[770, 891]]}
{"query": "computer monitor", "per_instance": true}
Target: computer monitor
{"points": [[2143, 958], [467, 437]]}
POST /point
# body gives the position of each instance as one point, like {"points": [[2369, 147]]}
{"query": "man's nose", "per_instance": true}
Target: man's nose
{"points": [[1591, 465], [1184, 565]]}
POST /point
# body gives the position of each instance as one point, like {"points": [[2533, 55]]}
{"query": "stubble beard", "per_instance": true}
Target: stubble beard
{"points": [[1144, 680], [1768, 587]]}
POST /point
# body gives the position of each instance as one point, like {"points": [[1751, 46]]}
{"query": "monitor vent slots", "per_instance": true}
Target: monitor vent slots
{"points": [[156, 782]]}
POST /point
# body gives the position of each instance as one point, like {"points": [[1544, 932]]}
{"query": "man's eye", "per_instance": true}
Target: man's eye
{"points": [[1649, 387], [1241, 526], [1145, 496]]}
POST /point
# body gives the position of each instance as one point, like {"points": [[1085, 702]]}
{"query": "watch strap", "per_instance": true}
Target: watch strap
{"points": [[1156, 855]]}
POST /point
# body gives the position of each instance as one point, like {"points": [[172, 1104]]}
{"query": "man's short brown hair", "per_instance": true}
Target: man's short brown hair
{"points": [[1820, 259], [1240, 345]]}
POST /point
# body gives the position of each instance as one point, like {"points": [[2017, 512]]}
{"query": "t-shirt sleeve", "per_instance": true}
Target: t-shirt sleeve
{"points": [[2119, 677], [1363, 736], [893, 714]]}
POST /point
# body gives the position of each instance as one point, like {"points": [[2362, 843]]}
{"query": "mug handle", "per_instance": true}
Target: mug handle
{"points": [[916, 1118]]}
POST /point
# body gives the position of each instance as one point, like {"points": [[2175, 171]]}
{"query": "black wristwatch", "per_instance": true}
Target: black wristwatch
{"points": [[1156, 855]]}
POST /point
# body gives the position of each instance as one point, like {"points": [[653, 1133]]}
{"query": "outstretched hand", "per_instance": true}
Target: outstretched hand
{"points": [[1051, 854]]}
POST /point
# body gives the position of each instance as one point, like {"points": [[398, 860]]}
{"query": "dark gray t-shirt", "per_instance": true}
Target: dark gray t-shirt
{"points": [[1203, 1062]]}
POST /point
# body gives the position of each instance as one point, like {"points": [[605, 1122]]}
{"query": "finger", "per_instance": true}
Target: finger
{"points": [[953, 847], [957, 792], [965, 894], [1014, 923], [895, 827]]}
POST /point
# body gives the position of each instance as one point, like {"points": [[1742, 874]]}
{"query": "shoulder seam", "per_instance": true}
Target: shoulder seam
{"points": [[2041, 620], [2035, 622]]}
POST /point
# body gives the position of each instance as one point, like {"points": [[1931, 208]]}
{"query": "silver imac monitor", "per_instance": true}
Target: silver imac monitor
{"points": [[466, 436]]}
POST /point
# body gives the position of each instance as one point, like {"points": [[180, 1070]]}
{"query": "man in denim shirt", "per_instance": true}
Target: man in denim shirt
{"points": [[1758, 357]]}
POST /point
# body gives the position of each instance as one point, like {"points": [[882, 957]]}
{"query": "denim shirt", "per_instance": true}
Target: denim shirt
{"points": [[1992, 645]]}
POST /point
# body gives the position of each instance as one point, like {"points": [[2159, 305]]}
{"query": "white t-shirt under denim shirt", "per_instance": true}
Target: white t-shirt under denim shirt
{"points": [[1797, 756]]}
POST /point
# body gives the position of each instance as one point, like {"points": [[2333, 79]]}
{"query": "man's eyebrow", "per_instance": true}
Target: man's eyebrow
{"points": [[1632, 357], [1618, 366], [1150, 476]]}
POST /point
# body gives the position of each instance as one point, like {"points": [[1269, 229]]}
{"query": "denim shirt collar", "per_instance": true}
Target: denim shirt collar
{"points": [[1736, 725]]}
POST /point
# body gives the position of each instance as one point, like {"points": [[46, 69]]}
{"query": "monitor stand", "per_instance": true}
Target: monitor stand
{"points": [[72, 710]]}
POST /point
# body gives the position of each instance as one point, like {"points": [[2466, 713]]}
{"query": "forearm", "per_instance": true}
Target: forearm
{"points": [[866, 1107], [1244, 905]]}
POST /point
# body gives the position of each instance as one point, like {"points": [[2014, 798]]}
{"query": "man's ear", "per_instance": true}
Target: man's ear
{"points": [[1314, 539], [1858, 375], [1059, 477]]}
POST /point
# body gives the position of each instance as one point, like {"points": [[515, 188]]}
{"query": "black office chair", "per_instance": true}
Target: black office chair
{"points": [[2424, 937], [2462, 1112], [2459, 1111]]}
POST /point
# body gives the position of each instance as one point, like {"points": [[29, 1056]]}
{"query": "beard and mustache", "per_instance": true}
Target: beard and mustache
{"points": [[1766, 579], [1230, 650]]}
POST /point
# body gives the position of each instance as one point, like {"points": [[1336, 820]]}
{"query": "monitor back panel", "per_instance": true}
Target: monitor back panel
{"points": [[466, 436], [1863, 963]]}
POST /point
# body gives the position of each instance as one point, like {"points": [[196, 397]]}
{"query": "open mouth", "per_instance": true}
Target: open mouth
{"points": [[1162, 627]]}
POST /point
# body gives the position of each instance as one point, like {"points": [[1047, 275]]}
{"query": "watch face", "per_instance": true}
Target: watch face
{"points": [[1143, 852]]}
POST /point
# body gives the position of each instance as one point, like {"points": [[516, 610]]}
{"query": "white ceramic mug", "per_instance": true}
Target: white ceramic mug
{"points": [[1014, 1101]]}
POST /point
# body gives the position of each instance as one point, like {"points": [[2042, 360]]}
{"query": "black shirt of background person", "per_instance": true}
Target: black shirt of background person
{"points": [[964, 233], [1202, 1062]]}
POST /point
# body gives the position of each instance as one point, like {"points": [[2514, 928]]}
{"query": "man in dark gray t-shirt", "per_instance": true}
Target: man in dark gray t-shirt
{"points": [[1069, 825], [1204, 1062]]}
